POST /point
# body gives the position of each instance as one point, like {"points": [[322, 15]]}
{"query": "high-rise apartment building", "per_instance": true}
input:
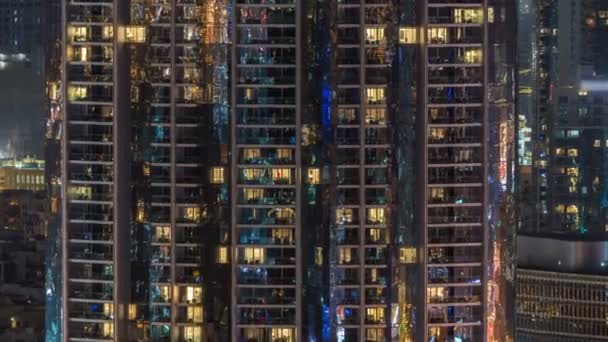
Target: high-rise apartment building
{"points": [[259, 170]]}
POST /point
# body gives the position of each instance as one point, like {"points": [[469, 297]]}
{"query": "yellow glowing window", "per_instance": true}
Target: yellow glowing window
{"points": [[192, 93], [108, 329], [132, 311], [77, 93], [222, 255], [284, 213], [437, 35], [473, 56], [254, 255], [281, 175], [192, 214], [597, 143], [107, 32], [572, 209], [141, 212], [468, 15], [78, 33], [217, 175], [53, 91], [375, 95], [135, 34], [560, 151], [84, 53], [408, 35], [252, 174], [146, 169], [407, 255], [344, 216], [345, 255], [284, 153], [374, 35], [195, 314], [374, 314], [192, 334], [163, 234], [376, 215], [251, 153], [375, 116], [572, 171], [318, 256], [374, 234], [314, 176], [108, 309], [572, 152], [253, 194], [282, 335]]}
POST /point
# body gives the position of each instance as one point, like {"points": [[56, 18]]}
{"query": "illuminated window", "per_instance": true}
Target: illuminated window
{"points": [[217, 175], [281, 176], [374, 315], [597, 143], [135, 34], [146, 169], [254, 255], [192, 334], [222, 255], [375, 215], [132, 311], [572, 152], [252, 175], [573, 133], [374, 35], [344, 216], [407, 255], [408, 35], [108, 329], [374, 235], [195, 314], [77, 93], [437, 35], [462, 15], [251, 194], [107, 32], [78, 33], [192, 214], [162, 234], [375, 116], [108, 309], [375, 95], [282, 335], [345, 255], [314, 176], [192, 93], [318, 256], [490, 15], [251, 153], [473, 56], [193, 294], [284, 153], [189, 32], [141, 212]]}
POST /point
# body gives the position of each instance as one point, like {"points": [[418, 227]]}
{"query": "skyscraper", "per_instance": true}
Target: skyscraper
{"points": [[288, 171], [562, 170]]}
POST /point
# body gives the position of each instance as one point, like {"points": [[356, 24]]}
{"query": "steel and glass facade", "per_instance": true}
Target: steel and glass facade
{"points": [[256, 170]]}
